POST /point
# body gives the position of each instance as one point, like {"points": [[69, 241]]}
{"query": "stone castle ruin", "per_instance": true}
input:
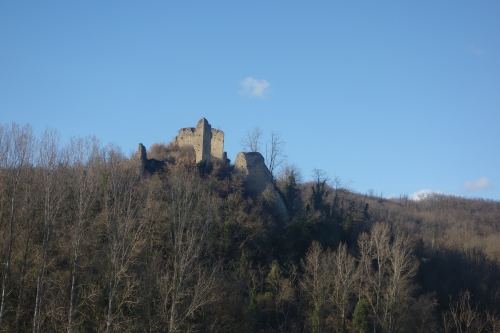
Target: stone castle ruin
{"points": [[145, 164], [208, 144]]}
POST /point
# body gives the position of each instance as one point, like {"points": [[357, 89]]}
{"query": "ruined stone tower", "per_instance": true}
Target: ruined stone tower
{"points": [[141, 158], [206, 141]]}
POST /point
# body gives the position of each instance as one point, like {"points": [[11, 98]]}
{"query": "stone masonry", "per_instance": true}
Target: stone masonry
{"points": [[217, 144], [145, 164], [206, 141]]}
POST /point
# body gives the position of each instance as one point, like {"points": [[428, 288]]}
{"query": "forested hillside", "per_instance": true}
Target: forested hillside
{"points": [[88, 243]]}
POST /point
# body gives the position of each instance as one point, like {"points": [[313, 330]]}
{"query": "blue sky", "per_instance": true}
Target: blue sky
{"points": [[392, 96]]}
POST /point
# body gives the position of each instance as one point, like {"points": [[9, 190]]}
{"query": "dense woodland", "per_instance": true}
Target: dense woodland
{"points": [[89, 243]]}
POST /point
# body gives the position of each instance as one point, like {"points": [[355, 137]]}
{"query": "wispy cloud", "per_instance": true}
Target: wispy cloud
{"points": [[422, 194], [481, 183], [474, 49], [253, 87]]}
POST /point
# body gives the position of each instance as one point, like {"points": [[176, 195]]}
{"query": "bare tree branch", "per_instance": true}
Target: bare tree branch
{"points": [[252, 140], [275, 152]]}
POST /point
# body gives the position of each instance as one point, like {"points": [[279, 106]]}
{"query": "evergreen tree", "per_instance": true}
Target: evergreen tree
{"points": [[360, 319]]}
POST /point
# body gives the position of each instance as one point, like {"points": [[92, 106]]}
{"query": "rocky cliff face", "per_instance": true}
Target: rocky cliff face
{"points": [[258, 180]]}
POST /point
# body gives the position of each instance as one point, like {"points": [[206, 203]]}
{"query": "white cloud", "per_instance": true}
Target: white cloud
{"points": [[474, 49], [253, 87], [422, 194], [477, 185]]}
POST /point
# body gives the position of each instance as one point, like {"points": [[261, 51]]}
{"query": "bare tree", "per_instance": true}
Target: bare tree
{"points": [[287, 170], [463, 316], [374, 247], [344, 281], [420, 315], [387, 269], [252, 140], [275, 152], [28, 226], [402, 268], [189, 279], [315, 284], [124, 232], [85, 157], [49, 162], [275, 147], [16, 155], [493, 322]]}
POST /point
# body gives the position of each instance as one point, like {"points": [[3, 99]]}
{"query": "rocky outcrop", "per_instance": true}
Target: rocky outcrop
{"points": [[258, 180]]}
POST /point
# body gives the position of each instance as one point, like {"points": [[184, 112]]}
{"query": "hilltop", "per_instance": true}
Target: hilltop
{"points": [[171, 239]]}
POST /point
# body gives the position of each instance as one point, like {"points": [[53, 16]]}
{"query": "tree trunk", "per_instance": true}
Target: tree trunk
{"points": [[16, 145], [73, 288], [109, 318], [7, 266], [23, 280], [40, 276]]}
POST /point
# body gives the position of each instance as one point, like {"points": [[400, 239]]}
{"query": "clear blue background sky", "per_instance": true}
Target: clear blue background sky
{"points": [[394, 96]]}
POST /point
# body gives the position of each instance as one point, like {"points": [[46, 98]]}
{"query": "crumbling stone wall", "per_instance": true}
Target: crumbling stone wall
{"points": [[258, 179], [145, 164], [141, 157], [217, 144], [207, 142]]}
